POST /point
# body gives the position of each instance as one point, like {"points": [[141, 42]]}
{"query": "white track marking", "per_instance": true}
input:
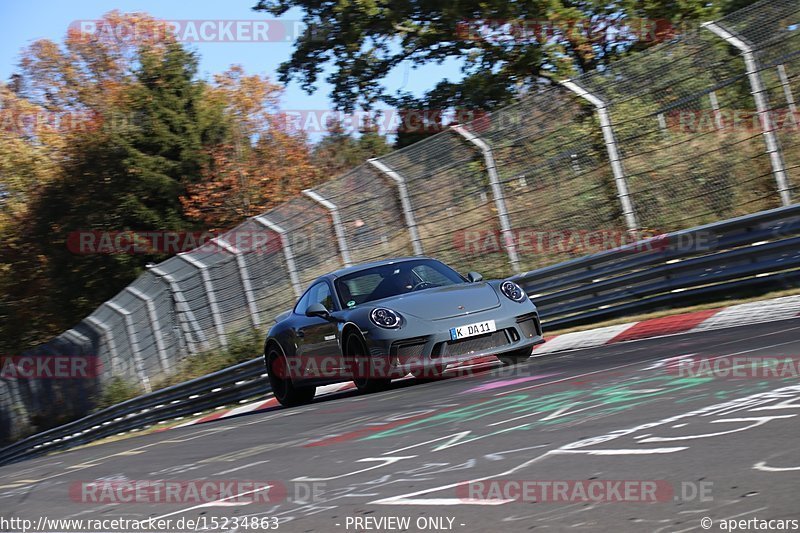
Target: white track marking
{"points": [[452, 437], [757, 421], [209, 504], [385, 461], [762, 465], [408, 499], [240, 467], [623, 451], [411, 498]]}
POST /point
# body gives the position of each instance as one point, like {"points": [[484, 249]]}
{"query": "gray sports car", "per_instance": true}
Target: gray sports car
{"points": [[378, 321]]}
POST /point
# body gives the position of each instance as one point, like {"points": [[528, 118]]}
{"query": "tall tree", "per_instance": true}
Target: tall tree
{"points": [[339, 151], [262, 161], [30, 158], [506, 47], [140, 132]]}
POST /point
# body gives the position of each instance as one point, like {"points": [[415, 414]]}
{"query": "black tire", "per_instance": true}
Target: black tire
{"points": [[364, 379], [516, 357], [286, 392]]}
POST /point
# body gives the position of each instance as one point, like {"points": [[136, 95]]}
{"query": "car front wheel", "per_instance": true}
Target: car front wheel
{"points": [[366, 376], [285, 391]]}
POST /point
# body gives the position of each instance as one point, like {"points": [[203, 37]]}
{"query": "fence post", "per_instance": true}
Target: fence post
{"points": [[287, 252], [183, 309], [17, 404], [244, 275], [78, 338], [405, 202], [787, 90], [613, 152], [712, 97], [338, 228], [138, 364], [84, 343], [154, 325], [662, 122], [112, 345], [497, 193], [210, 294], [762, 108]]}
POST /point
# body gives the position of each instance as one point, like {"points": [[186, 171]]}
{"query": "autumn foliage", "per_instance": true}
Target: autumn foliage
{"points": [[262, 162], [101, 133]]}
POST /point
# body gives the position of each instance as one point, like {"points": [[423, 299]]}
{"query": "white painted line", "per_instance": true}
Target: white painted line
{"points": [[260, 489], [762, 465], [442, 501], [622, 451], [756, 421], [410, 498], [384, 462], [240, 468]]}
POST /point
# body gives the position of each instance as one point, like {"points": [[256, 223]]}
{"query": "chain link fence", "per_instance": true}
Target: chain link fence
{"points": [[698, 129]]}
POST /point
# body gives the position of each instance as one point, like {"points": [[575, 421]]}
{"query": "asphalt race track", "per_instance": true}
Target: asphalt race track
{"points": [[453, 454]]}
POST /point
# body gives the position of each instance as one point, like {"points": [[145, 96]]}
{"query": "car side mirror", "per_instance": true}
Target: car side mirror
{"points": [[474, 277], [318, 310]]}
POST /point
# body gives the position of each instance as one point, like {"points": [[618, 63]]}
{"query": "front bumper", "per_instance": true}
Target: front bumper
{"points": [[434, 348]]}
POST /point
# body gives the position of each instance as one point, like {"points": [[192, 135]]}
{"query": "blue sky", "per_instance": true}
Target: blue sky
{"points": [[22, 22]]}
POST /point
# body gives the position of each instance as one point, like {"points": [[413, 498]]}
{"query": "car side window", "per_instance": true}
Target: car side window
{"points": [[304, 302], [318, 293], [323, 296]]}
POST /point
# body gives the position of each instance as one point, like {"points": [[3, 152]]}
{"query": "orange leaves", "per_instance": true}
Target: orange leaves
{"points": [[246, 178], [119, 35], [261, 164], [95, 63], [251, 100]]}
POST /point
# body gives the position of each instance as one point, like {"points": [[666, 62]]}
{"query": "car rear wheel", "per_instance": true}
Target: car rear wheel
{"points": [[286, 392], [516, 357], [364, 371]]}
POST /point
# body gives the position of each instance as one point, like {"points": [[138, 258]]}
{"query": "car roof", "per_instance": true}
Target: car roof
{"points": [[363, 266]]}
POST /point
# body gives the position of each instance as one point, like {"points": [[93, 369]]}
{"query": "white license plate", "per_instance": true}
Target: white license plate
{"points": [[471, 330]]}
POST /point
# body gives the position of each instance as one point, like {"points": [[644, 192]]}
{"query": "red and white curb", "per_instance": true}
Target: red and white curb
{"points": [[724, 317]]}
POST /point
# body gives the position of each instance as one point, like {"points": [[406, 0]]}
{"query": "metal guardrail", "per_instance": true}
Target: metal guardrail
{"points": [[751, 251], [228, 386]]}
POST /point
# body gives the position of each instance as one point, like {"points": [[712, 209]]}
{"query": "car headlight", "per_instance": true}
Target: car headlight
{"points": [[513, 291], [385, 318]]}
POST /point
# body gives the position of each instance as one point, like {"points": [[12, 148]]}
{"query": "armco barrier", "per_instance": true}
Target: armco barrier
{"points": [[743, 252], [673, 269], [225, 387]]}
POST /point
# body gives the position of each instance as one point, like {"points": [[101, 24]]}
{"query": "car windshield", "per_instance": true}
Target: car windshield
{"points": [[389, 280]]}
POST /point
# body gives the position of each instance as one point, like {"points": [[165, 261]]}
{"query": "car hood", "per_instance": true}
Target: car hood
{"points": [[444, 302]]}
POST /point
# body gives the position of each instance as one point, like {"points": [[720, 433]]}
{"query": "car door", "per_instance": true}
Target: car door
{"points": [[317, 342]]}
